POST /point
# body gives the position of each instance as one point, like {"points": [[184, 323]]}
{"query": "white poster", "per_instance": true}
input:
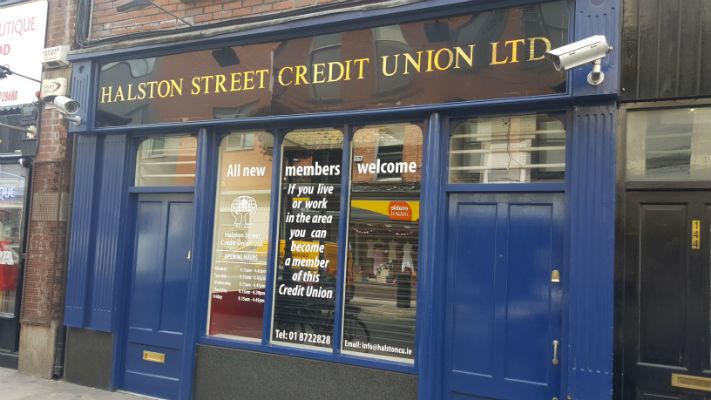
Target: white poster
{"points": [[22, 34]]}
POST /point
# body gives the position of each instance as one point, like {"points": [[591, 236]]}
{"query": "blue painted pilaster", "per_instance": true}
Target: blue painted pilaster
{"points": [[204, 202], [431, 274], [81, 91], [111, 198], [79, 270], [598, 17], [591, 205]]}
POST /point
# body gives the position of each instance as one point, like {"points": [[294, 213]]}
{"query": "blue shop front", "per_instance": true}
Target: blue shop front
{"points": [[401, 203]]}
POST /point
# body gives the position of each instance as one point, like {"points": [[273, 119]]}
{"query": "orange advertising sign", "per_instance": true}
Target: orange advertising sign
{"points": [[400, 211]]}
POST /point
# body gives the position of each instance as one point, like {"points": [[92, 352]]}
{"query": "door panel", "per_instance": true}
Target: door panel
{"points": [[528, 302], [666, 306], [156, 319], [175, 283], [662, 323], [473, 327], [504, 311]]}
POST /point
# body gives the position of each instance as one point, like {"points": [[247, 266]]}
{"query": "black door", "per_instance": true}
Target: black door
{"points": [[666, 307]]}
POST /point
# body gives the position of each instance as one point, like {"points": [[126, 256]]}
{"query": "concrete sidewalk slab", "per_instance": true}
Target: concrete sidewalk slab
{"points": [[17, 386]]}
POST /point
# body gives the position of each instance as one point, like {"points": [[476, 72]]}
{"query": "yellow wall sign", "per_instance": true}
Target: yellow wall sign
{"points": [[696, 234]]}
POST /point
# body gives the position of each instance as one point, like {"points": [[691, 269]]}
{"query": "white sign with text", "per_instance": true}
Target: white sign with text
{"points": [[22, 36]]}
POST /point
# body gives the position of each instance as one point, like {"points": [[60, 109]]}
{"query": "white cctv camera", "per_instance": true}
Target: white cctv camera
{"points": [[588, 50], [66, 105]]}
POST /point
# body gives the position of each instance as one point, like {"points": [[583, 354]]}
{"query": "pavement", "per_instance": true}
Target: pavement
{"points": [[17, 386]]}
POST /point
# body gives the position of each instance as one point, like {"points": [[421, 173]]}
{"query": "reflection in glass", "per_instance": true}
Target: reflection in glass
{"points": [[166, 161], [669, 144], [12, 194], [381, 276], [389, 42], [305, 284], [324, 49], [241, 238], [508, 149]]}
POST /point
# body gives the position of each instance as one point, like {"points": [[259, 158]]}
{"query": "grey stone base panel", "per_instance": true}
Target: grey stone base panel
{"points": [[88, 357], [224, 373]]}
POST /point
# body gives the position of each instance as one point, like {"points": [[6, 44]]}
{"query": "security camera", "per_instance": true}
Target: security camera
{"points": [[579, 53], [25, 161], [66, 105], [588, 50]]}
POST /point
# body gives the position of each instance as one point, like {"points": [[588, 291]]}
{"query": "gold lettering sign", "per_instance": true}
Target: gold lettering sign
{"points": [[451, 59], [153, 357]]}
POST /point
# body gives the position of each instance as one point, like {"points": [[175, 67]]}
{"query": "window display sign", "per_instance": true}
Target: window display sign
{"points": [[241, 241], [12, 194], [305, 284], [22, 31], [491, 54], [383, 232]]}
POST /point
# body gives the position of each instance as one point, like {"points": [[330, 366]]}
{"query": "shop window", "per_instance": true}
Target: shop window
{"points": [[508, 149], [12, 195], [305, 281], [166, 161], [383, 230], [380, 258], [669, 144], [241, 236], [10, 139]]}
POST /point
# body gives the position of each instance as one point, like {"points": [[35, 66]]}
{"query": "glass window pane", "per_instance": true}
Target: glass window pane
{"points": [[241, 237], [669, 144], [12, 200], [508, 149], [305, 284], [381, 273], [166, 161]]}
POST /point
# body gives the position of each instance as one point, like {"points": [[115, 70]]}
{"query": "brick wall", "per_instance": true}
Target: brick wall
{"points": [[106, 21], [43, 290], [43, 285]]}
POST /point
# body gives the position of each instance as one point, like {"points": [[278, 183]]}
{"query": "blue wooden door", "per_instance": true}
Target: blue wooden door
{"points": [[157, 302], [503, 327]]}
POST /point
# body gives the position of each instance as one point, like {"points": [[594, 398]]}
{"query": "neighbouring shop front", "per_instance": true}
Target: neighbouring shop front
{"points": [[397, 210], [663, 295], [21, 41], [13, 205]]}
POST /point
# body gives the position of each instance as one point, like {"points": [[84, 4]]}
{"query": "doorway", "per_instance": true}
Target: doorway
{"points": [[504, 289], [153, 342], [666, 295], [13, 187]]}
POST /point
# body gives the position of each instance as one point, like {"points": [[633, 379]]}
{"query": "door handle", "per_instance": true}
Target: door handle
{"points": [[555, 352]]}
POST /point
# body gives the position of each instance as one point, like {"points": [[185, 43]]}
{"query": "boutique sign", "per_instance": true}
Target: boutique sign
{"points": [[494, 54], [22, 32]]}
